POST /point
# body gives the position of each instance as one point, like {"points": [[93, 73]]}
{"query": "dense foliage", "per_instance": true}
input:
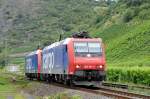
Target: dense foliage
{"points": [[45, 21], [129, 75]]}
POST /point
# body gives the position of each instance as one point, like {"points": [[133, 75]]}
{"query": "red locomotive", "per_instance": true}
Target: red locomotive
{"points": [[79, 61]]}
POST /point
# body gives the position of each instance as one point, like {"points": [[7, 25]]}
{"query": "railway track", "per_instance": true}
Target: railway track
{"points": [[106, 91], [123, 86], [113, 93], [124, 91], [120, 94]]}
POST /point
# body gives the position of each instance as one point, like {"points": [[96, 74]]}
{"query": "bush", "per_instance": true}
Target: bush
{"points": [[132, 2], [129, 15], [2, 59], [98, 19], [144, 15], [131, 75], [102, 11], [145, 6]]}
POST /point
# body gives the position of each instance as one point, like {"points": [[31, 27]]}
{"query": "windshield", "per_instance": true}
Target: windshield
{"points": [[89, 49]]}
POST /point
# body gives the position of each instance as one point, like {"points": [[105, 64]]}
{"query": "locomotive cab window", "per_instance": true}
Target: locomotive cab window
{"points": [[83, 49]]}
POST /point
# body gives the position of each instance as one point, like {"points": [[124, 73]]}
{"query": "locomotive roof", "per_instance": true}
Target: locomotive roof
{"points": [[33, 53], [63, 42]]}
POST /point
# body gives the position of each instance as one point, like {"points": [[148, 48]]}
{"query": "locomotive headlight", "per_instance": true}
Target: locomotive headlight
{"points": [[77, 66], [101, 66], [88, 55]]}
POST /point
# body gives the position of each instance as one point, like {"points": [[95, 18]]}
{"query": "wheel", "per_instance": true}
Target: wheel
{"points": [[65, 82], [71, 84], [49, 79]]}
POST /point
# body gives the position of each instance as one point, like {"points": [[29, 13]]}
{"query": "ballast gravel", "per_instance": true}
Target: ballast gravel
{"points": [[43, 89]]}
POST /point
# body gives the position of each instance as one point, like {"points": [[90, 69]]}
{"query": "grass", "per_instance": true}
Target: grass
{"points": [[5, 83], [15, 89], [17, 60], [24, 48], [63, 96], [8, 87]]}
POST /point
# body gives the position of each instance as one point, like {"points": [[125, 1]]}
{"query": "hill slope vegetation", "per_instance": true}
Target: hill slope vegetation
{"points": [[126, 33], [123, 25]]}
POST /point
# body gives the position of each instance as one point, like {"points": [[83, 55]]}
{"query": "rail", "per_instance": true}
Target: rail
{"points": [[106, 91]]}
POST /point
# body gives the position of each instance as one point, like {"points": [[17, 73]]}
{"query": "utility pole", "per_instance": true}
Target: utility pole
{"points": [[61, 35], [39, 45]]}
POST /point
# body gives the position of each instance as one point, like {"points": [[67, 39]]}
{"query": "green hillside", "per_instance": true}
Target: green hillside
{"points": [[127, 43], [127, 34], [123, 25], [26, 24]]}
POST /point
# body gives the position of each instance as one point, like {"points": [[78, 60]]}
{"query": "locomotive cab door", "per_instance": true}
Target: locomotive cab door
{"points": [[65, 59]]}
